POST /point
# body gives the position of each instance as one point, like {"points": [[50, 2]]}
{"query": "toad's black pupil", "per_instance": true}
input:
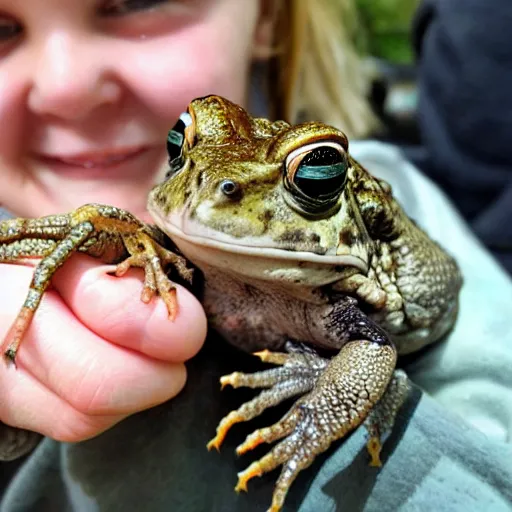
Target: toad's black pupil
{"points": [[321, 173], [175, 139], [322, 155]]}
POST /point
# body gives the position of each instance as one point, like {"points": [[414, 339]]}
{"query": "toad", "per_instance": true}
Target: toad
{"points": [[306, 260]]}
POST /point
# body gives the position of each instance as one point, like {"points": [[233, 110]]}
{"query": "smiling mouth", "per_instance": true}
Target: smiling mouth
{"points": [[94, 160]]}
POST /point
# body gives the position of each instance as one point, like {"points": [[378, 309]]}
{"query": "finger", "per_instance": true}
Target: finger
{"points": [[111, 307], [92, 375], [28, 404]]}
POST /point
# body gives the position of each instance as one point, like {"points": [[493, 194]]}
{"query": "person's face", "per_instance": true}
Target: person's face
{"points": [[89, 89]]}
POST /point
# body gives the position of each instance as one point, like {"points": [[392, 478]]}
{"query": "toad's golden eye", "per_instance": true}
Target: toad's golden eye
{"points": [[316, 175], [176, 137]]}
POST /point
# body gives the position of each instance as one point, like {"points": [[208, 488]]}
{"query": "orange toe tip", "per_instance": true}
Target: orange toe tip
{"points": [[146, 296], [262, 354], [247, 447], [225, 381], [120, 271], [374, 448], [213, 444], [241, 487]]}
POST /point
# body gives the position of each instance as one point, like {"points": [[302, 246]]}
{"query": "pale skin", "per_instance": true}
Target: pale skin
{"points": [[89, 90]]}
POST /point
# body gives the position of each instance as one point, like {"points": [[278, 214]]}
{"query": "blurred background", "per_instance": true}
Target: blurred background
{"points": [[457, 92], [384, 36]]}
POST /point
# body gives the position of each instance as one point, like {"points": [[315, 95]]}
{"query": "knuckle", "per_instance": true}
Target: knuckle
{"points": [[87, 391]]}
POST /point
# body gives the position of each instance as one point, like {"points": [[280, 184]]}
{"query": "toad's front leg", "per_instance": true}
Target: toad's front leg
{"points": [[105, 232], [342, 393]]}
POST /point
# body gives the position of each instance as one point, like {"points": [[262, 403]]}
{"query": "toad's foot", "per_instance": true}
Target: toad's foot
{"points": [[153, 258], [299, 370], [105, 232], [342, 397]]}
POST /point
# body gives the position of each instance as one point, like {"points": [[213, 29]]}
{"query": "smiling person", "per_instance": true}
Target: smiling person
{"points": [[88, 92]]}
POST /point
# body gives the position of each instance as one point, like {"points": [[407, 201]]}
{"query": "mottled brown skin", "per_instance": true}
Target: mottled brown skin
{"points": [[286, 267]]}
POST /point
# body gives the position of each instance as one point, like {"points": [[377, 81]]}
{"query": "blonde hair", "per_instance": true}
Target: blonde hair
{"points": [[316, 72]]}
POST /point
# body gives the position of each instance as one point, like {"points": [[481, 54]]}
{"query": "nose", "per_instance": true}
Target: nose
{"points": [[71, 79]]}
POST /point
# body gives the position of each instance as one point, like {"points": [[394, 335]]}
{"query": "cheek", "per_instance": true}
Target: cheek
{"points": [[167, 75], [13, 93]]}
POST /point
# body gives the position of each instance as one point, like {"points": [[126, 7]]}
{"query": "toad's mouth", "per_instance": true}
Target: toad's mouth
{"points": [[263, 247]]}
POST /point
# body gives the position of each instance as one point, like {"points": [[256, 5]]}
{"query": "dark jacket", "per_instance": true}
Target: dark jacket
{"points": [[464, 53]]}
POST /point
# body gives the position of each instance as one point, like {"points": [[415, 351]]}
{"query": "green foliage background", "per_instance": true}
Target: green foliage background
{"points": [[386, 29]]}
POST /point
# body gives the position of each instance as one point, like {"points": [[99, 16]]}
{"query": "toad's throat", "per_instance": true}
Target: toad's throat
{"points": [[199, 235]]}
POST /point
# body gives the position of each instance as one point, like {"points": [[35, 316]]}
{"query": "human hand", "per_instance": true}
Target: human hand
{"points": [[95, 353]]}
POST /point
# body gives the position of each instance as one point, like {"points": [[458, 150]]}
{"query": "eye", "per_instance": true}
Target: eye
{"points": [[11, 33], [316, 175], [175, 141], [176, 136], [9, 28], [230, 188], [121, 7]]}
